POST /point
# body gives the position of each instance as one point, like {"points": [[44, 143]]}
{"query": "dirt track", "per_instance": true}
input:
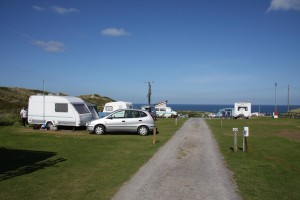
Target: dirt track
{"points": [[188, 167]]}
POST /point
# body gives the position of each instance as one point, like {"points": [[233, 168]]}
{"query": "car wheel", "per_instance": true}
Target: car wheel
{"points": [[143, 130], [99, 129]]}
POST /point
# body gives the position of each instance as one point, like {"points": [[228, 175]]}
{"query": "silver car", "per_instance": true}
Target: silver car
{"points": [[131, 120]]}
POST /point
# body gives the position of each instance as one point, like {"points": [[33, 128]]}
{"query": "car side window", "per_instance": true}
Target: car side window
{"points": [[132, 114], [120, 114]]}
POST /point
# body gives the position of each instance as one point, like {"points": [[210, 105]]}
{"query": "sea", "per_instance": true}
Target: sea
{"points": [[214, 108]]}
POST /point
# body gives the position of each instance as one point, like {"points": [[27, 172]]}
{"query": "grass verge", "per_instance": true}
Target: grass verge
{"points": [[271, 167], [72, 165]]}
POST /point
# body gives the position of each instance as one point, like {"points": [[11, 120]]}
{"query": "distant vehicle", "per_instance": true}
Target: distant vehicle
{"points": [[130, 120], [163, 111], [211, 115], [112, 106], [242, 110], [58, 110]]}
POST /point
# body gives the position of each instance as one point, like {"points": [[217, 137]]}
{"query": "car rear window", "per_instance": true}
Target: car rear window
{"points": [[143, 114]]}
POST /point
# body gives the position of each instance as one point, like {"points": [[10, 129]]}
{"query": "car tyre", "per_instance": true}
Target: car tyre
{"points": [[143, 130], [99, 130]]}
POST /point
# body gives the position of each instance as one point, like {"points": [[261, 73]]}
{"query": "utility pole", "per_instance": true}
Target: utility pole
{"points": [[275, 98], [149, 94], [288, 108], [44, 101]]}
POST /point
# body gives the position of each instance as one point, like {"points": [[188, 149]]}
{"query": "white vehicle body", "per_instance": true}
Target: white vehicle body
{"points": [[163, 111], [242, 109], [112, 106], [58, 110]]}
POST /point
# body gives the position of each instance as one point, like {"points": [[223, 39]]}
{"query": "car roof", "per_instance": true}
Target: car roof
{"points": [[130, 109]]}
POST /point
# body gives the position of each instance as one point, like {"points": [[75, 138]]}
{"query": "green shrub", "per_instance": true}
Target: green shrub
{"points": [[9, 119]]}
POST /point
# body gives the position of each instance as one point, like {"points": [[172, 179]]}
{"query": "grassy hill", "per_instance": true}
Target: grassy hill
{"points": [[97, 100], [12, 99]]}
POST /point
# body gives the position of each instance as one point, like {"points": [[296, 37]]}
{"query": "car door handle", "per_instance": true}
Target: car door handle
{"points": [[123, 121], [140, 120]]}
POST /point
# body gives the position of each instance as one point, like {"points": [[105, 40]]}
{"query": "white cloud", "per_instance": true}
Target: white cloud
{"points": [[38, 8], [284, 5], [63, 11], [114, 32], [51, 46]]}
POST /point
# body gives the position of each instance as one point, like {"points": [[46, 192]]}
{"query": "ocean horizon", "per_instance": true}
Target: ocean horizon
{"points": [[214, 108]]}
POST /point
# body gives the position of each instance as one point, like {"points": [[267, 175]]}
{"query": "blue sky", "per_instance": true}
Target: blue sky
{"points": [[192, 51]]}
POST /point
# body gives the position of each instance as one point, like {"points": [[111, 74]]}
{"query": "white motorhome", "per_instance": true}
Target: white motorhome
{"points": [[162, 110], [58, 110], [242, 110]]}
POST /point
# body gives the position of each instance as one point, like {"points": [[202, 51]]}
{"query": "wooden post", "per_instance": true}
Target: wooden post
{"points": [[154, 136], [235, 130], [176, 121], [243, 143], [235, 142]]}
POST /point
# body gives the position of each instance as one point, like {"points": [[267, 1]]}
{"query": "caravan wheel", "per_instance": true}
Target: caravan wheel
{"points": [[49, 125]]}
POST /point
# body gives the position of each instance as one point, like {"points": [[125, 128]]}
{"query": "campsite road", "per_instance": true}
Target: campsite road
{"points": [[189, 166]]}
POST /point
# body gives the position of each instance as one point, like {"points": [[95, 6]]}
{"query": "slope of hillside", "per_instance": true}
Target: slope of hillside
{"points": [[12, 99], [97, 100]]}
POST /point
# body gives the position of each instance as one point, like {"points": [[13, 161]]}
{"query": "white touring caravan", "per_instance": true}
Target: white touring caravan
{"points": [[58, 110], [112, 106], [242, 110]]}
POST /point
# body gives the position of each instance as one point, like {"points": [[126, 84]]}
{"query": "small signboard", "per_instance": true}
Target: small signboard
{"points": [[246, 131]]}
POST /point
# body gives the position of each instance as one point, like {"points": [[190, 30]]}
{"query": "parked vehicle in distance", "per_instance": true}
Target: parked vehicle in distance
{"points": [[130, 120], [242, 110], [58, 110], [165, 112], [162, 110]]}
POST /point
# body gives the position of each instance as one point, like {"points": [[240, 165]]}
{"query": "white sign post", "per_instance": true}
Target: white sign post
{"points": [[245, 136]]}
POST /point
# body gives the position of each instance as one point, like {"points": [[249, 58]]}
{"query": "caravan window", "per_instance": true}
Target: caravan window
{"points": [[242, 108], [162, 109], [108, 108], [81, 108], [61, 107]]}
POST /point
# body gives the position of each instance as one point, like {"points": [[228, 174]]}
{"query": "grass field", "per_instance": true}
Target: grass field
{"points": [[271, 167], [72, 165]]}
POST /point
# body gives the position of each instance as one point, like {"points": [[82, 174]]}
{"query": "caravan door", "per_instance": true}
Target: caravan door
{"points": [[82, 114]]}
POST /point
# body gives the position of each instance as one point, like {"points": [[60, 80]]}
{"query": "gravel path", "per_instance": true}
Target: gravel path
{"points": [[188, 167]]}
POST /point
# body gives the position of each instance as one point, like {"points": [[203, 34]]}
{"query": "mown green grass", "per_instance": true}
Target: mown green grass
{"points": [[271, 167], [72, 165]]}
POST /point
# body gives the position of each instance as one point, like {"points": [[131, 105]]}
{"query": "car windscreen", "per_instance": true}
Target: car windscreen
{"points": [[81, 108]]}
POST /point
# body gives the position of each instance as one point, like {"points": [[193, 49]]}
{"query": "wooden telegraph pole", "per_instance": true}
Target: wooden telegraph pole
{"points": [[149, 106]]}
